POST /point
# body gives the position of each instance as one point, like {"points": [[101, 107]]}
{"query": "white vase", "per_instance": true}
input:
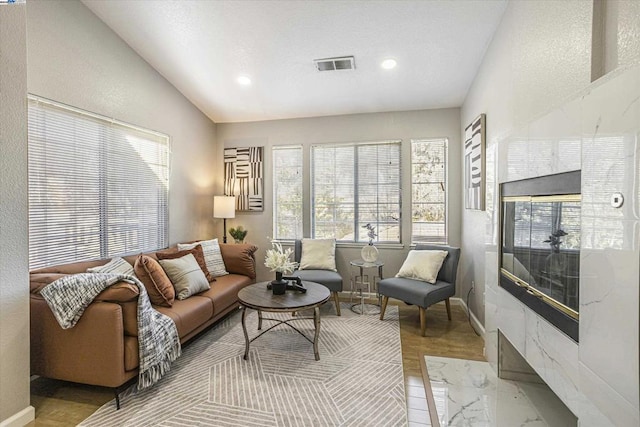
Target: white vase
{"points": [[369, 253]]}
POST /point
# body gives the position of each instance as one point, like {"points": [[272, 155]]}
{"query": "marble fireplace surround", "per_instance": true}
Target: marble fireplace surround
{"points": [[597, 132]]}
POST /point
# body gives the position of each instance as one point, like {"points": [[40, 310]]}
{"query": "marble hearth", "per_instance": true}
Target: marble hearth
{"points": [[597, 132]]}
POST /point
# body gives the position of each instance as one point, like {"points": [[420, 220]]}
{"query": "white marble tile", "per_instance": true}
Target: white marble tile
{"points": [[490, 326], [609, 313], [602, 406], [554, 356], [468, 393], [511, 319]]}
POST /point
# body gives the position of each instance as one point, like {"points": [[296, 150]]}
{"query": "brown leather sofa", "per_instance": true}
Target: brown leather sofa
{"points": [[102, 348]]}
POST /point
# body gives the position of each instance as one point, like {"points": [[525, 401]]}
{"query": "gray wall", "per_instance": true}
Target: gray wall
{"points": [[405, 125], [74, 58], [539, 57], [14, 282]]}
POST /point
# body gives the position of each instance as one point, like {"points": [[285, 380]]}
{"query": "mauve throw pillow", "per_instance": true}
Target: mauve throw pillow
{"points": [[239, 258], [197, 253], [155, 280]]}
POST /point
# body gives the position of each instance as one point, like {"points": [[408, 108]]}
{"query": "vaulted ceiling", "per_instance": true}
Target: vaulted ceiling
{"points": [[202, 47]]}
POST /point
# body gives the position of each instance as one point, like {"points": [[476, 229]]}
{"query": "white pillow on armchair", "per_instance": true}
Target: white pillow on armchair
{"points": [[422, 265], [318, 254]]}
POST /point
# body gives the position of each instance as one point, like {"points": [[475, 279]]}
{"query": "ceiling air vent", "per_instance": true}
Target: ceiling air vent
{"points": [[333, 64]]}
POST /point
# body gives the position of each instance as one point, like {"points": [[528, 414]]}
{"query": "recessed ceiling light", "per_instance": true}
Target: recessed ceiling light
{"points": [[244, 80], [388, 64]]}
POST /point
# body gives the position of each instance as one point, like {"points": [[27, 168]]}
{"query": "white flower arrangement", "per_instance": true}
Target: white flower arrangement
{"points": [[278, 260]]}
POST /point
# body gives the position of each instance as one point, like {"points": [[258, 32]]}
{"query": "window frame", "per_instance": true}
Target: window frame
{"points": [[274, 190], [445, 172], [355, 219]]}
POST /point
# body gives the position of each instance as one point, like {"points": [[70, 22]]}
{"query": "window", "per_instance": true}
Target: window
{"points": [[429, 190], [287, 192], [97, 188], [353, 185]]}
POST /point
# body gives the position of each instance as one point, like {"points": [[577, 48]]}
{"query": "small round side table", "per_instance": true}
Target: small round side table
{"points": [[370, 281]]}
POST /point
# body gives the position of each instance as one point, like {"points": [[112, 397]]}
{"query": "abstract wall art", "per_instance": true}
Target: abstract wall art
{"points": [[474, 143], [244, 177]]}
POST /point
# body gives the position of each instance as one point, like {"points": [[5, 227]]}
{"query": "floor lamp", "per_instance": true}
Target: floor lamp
{"points": [[224, 207]]}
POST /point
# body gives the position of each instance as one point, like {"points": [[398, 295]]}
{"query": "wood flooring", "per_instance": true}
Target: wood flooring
{"points": [[59, 403]]}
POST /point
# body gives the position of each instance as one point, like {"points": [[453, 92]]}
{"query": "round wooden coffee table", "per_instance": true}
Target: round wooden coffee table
{"points": [[259, 298]]}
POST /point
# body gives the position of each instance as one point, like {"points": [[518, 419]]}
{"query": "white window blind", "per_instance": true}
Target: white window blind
{"points": [[353, 185], [97, 188], [287, 192], [429, 190]]}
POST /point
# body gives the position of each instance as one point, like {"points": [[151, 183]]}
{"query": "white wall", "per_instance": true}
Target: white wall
{"points": [[14, 282], [540, 54], [74, 58], [347, 128]]}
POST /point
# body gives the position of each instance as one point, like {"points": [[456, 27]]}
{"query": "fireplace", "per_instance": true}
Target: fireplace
{"points": [[540, 246]]}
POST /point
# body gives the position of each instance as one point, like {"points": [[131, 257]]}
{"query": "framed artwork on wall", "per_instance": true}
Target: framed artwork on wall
{"points": [[474, 173], [244, 177]]}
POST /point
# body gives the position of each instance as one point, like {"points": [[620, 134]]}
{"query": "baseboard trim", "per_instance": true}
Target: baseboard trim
{"points": [[474, 320], [21, 418]]}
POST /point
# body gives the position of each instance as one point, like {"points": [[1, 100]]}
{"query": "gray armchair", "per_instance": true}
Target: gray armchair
{"points": [[328, 278], [420, 293]]}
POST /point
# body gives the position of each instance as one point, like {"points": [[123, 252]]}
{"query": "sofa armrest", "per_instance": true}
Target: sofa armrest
{"points": [[239, 258], [92, 352]]}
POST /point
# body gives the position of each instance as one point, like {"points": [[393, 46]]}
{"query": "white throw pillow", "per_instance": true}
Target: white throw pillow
{"points": [[116, 266], [318, 254], [422, 265], [212, 256], [186, 275]]}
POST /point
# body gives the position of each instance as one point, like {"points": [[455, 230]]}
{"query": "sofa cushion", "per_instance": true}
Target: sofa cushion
{"points": [[155, 280], [188, 314], [239, 259], [186, 275], [198, 255], [318, 254], [224, 292], [212, 255]]}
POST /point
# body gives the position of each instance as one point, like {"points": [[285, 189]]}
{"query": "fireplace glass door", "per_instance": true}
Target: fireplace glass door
{"points": [[541, 247]]}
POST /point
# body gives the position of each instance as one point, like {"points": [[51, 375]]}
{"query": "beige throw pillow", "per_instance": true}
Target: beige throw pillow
{"points": [[318, 254], [212, 255], [422, 265], [186, 275]]}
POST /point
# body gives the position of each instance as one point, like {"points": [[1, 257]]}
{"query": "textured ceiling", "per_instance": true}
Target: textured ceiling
{"points": [[202, 46]]}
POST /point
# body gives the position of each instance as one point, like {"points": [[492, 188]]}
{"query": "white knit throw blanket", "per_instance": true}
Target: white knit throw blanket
{"points": [[158, 341]]}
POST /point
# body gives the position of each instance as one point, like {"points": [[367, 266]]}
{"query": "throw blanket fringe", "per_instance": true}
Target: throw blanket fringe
{"points": [[158, 340]]}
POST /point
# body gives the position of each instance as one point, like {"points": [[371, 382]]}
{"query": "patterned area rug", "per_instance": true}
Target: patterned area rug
{"points": [[358, 380]]}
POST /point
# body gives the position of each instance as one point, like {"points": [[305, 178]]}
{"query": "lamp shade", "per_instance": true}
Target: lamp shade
{"points": [[224, 206]]}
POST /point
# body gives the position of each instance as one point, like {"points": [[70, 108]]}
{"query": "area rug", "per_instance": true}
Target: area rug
{"points": [[469, 393], [358, 380]]}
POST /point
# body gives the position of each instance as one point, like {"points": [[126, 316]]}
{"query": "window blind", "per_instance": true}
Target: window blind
{"points": [[98, 188], [287, 192], [354, 185], [429, 191]]}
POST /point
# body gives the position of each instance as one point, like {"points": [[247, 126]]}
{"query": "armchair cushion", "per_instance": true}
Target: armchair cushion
{"points": [[318, 254], [416, 292], [422, 265]]}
